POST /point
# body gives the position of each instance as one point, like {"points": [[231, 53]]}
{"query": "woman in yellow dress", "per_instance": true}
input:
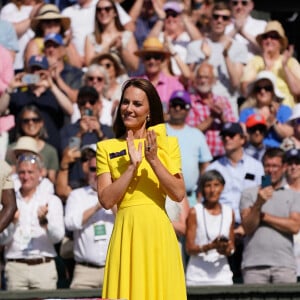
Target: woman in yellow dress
{"points": [[135, 172]]}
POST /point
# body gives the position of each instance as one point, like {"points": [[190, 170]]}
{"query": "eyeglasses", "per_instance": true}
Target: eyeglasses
{"points": [[107, 65], [171, 13], [155, 56], [261, 128], [92, 169], [223, 17], [29, 158], [271, 35], [28, 120], [235, 3], [107, 9], [92, 78], [267, 88]]}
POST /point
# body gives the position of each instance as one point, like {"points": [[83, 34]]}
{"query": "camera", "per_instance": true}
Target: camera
{"points": [[88, 112], [31, 79]]}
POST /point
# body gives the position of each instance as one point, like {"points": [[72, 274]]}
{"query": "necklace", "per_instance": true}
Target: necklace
{"points": [[205, 224]]}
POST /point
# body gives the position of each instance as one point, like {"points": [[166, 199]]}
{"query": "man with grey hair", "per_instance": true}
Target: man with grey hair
{"points": [[37, 225], [209, 111]]}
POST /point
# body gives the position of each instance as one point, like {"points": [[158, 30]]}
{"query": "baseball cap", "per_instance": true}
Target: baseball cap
{"points": [[38, 61], [254, 120], [232, 128], [172, 5], [293, 155], [181, 96], [54, 37]]}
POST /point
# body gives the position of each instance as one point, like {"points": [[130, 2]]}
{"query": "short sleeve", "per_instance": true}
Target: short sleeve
{"points": [[174, 165], [101, 159]]}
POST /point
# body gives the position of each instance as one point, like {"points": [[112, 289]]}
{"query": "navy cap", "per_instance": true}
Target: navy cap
{"points": [[38, 61], [292, 154], [232, 127]]}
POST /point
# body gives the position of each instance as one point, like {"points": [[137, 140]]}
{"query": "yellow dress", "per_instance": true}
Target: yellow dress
{"points": [[143, 259]]}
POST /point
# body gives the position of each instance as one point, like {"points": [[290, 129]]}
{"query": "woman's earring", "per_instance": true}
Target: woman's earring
{"points": [[148, 119]]}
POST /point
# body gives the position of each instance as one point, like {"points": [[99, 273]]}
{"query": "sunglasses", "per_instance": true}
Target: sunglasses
{"points": [[92, 169], [28, 157], [171, 13], [107, 9], [229, 134], [271, 35], [92, 78], [51, 45], [28, 120], [218, 16], [107, 65], [260, 128], [154, 56], [244, 3], [267, 88], [83, 102]]}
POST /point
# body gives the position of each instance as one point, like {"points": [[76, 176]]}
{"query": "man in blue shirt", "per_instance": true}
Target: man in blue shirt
{"points": [[195, 154]]}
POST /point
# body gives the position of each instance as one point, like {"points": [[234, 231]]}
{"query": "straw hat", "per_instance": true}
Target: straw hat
{"points": [[269, 76], [26, 143], [50, 12], [152, 45], [274, 26], [115, 60]]}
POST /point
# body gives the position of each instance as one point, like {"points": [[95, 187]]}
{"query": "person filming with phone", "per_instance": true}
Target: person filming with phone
{"points": [[270, 216], [36, 87], [85, 131]]}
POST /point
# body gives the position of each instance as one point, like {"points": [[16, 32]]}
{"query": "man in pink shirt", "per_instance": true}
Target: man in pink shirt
{"points": [[154, 55]]}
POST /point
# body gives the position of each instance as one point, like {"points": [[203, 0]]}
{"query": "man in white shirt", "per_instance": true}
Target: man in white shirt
{"points": [[37, 226], [243, 27], [92, 226]]}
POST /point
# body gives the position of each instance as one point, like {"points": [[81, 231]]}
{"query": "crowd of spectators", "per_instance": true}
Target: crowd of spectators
{"points": [[229, 84]]}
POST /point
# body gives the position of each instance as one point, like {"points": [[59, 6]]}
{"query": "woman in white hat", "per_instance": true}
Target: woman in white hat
{"points": [[50, 20], [267, 101], [276, 57]]}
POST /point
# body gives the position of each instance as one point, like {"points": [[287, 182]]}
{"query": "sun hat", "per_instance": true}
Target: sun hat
{"points": [[54, 37], [255, 119], [50, 12], [271, 77], [172, 5], [26, 144], [112, 57], [152, 45], [232, 127], [274, 26]]}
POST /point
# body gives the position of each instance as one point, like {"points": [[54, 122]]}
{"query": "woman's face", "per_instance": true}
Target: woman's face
{"points": [[95, 79], [264, 92], [51, 26], [134, 108], [105, 12], [271, 42], [212, 190], [31, 123], [109, 66]]}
